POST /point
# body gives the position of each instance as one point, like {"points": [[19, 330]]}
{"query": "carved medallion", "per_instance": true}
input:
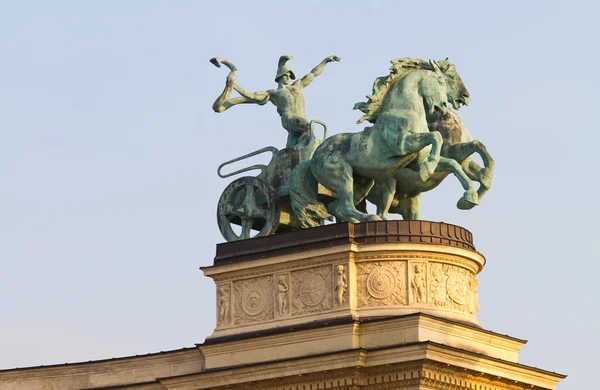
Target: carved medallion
{"points": [[458, 285], [312, 290], [381, 283], [253, 300], [438, 284]]}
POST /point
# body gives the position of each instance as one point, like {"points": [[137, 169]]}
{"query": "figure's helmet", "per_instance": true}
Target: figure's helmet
{"points": [[283, 69]]}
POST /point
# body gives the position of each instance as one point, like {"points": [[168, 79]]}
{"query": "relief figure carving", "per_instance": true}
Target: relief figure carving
{"points": [[282, 292], [417, 283], [341, 284], [223, 304]]}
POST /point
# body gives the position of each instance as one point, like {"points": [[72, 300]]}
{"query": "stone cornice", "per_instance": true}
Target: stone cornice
{"points": [[182, 356], [468, 365], [437, 365]]}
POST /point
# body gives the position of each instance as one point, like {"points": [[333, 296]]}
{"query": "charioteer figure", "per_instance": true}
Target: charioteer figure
{"points": [[287, 97]]}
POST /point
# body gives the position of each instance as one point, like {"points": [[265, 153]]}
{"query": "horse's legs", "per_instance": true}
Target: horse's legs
{"points": [[338, 178], [478, 174], [409, 208], [413, 143], [470, 198], [462, 152], [386, 191], [362, 187]]}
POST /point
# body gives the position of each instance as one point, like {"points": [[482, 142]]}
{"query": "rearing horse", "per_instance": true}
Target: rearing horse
{"points": [[348, 164], [456, 151]]}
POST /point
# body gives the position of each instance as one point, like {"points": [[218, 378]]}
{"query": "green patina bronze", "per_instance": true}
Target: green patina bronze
{"points": [[416, 140], [457, 149], [287, 97]]}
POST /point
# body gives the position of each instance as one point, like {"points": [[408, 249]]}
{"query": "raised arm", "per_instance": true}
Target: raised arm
{"points": [[317, 70], [223, 102], [259, 97]]}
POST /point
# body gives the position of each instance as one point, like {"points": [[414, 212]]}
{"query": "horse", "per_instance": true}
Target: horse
{"points": [[457, 149], [349, 163]]}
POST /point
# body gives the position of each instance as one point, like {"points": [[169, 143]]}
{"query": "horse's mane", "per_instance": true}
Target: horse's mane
{"points": [[400, 68]]}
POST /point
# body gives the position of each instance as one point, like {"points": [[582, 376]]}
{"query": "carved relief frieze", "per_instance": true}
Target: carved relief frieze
{"points": [[456, 260], [418, 283], [381, 283], [341, 285], [458, 285], [453, 287], [282, 292], [437, 287], [277, 269], [253, 300], [224, 304], [312, 290], [473, 295]]}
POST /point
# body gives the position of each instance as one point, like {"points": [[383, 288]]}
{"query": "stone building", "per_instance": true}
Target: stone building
{"points": [[376, 305]]}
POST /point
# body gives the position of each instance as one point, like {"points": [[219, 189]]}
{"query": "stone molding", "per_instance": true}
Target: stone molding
{"points": [[131, 371], [329, 338], [418, 366]]}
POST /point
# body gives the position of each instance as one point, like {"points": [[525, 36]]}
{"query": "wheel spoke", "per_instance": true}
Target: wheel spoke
{"points": [[260, 213], [246, 227], [228, 210], [250, 198]]}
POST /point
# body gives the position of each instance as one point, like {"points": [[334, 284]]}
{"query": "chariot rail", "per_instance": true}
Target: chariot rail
{"points": [[261, 167]]}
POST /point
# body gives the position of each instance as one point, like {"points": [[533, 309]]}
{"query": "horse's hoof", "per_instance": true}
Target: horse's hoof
{"points": [[471, 197], [464, 204]]}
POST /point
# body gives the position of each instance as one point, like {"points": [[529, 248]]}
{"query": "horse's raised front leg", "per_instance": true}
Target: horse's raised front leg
{"points": [[462, 152], [470, 198], [478, 174], [414, 143]]}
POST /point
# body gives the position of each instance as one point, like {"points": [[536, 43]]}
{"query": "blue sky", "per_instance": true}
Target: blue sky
{"points": [[109, 150]]}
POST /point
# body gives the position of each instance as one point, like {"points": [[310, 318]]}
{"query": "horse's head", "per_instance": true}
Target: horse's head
{"points": [[432, 89], [455, 88]]}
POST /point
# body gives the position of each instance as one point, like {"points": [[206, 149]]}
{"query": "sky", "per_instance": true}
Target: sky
{"points": [[109, 149]]}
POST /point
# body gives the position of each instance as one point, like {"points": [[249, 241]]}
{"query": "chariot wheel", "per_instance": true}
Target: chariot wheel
{"points": [[250, 203]]}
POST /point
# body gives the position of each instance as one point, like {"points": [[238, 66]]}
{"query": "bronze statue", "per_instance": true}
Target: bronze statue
{"points": [[287, 97], [415, 141]]}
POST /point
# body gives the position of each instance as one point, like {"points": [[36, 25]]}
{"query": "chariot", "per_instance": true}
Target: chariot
{"points": [[255, 206]]}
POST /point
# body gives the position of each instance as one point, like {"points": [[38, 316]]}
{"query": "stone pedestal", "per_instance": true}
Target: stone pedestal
{"points": [[372, 305]]}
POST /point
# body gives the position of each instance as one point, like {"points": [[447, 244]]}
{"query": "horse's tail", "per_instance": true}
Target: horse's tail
{"points": [[303, 196]]}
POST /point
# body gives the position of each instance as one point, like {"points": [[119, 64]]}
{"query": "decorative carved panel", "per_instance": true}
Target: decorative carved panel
{"points": [[224, 305], [312, 290], [253, 300], [381, 283], [453, 287], [281, 291], [341, 285]]}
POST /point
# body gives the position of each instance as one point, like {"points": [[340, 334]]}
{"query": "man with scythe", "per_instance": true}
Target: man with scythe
{"points": [[287, 97]]}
